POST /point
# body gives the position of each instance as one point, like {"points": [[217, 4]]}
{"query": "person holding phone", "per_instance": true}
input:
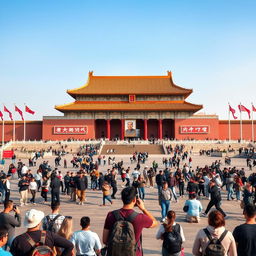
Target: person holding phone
{"points": [[8, 221]]}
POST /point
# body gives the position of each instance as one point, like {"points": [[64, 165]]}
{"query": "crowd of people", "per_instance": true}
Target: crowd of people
{"points": [[122, 231]]}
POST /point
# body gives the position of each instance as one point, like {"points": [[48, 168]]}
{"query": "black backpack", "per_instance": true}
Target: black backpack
{"points": [[122, 238], [214, 247], [51, 223], [172, 240]]}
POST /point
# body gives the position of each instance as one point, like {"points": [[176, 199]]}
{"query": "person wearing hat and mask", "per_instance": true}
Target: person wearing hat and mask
{"points": [[32, 222], [3, 241]]}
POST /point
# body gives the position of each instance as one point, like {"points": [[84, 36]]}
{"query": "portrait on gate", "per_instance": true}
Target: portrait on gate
{"points": [[130, 128]]}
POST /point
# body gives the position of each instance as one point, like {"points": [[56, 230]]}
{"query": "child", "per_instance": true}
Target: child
{"points": [[106, 192]]}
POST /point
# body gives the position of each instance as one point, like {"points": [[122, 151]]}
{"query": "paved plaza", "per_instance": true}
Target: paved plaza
{"points": [[97, 213]]}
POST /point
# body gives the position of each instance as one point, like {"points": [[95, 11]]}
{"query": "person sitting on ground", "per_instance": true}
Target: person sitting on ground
{"points": [[53, 221], [22, 244], [215, 230], [245, 234], [3, 241], [127, 213], [171, 228], [85, 241], [193, 209]]}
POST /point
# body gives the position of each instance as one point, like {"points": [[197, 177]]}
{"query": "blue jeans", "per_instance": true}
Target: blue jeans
{"points": [[142, 193], [2, 191], [174, 192], [106, 198], [230, 192], [165, 205], [238, 195]]}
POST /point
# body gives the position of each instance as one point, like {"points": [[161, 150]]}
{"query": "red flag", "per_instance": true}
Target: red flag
{"points": [[253, 108], [27, 109], [20, 112], [232, 110], [1, 116], [9, 112], [242, 108]]}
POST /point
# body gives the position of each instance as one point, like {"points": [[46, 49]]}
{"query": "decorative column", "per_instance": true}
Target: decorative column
{"points": [[108, 129], [160, 129], [122, 129], [145, 129]]}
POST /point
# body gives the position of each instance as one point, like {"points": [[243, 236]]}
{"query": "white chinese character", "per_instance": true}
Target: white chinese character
{"points": [[65, 129], [71, 129], [82, 129], [58, 129], [204, 129], [191, 129], [77, 129]]}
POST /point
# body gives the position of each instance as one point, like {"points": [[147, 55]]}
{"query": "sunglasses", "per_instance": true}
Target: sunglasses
{"points": [[69, 217]]}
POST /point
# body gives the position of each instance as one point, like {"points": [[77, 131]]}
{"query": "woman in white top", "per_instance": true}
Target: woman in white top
{"points": [[172, 228], [33, 189]]}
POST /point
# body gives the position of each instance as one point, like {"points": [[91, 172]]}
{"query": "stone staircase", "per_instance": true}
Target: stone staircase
{"points": [[152, 149]]}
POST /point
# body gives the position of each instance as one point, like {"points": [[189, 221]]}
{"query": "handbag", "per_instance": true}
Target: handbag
{"points": [[185, 208], [104, 251]]}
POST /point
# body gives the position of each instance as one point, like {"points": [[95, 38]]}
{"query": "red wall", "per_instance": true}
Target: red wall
{"points": [[48, 126], [213, 124], [38, 130], [235, 130], [33, 130]]}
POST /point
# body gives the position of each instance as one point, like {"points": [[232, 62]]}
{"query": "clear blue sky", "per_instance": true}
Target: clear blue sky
{"points": [[49, 46]]}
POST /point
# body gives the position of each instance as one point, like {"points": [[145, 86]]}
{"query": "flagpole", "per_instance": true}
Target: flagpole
{"points": [[2, 140], [14, 127], [24, 138], [241, 125], [229, 130], [252, 125]]}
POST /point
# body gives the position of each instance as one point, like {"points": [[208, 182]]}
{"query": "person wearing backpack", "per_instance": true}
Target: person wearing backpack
{"points": [[214, 240], [129, 223], [53, 221], [35, 242], [172, 235]]}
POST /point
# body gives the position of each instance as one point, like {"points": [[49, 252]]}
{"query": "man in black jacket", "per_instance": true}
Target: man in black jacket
{"points": [[55, 186], [81, 183], [215, 198]]}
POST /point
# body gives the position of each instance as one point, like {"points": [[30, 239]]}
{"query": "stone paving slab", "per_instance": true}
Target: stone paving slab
{"points": [[97, 213]]}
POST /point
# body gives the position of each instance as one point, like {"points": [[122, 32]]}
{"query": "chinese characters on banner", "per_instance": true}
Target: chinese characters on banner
{"points": [[189, 129], [70, 130]]}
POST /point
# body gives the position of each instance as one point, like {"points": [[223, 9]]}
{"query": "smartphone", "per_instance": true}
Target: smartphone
{"points": [[15, 207]]}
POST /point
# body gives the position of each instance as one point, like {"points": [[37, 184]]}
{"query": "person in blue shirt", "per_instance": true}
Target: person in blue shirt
{"points": [[194, 209], [3, 241]]}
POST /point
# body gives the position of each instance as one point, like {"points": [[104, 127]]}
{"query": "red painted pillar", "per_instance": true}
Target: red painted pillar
{"points": [[122, 129], [108, 129], [145, 129], [160, 129]]}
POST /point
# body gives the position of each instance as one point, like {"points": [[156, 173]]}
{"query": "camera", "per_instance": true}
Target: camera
{"points": [[15, 207]]}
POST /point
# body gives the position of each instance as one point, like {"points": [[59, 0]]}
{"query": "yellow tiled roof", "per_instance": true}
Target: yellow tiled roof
{"points": [[126, 106], [140, 85]]}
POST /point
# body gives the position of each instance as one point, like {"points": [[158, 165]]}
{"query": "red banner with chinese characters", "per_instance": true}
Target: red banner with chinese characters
{"points": [[70, 130], [193, 129], [8, 153]]}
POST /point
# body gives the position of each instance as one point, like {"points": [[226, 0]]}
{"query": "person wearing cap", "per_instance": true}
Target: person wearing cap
{"points": [[3, 241], [8, 221], [32, 221]]}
